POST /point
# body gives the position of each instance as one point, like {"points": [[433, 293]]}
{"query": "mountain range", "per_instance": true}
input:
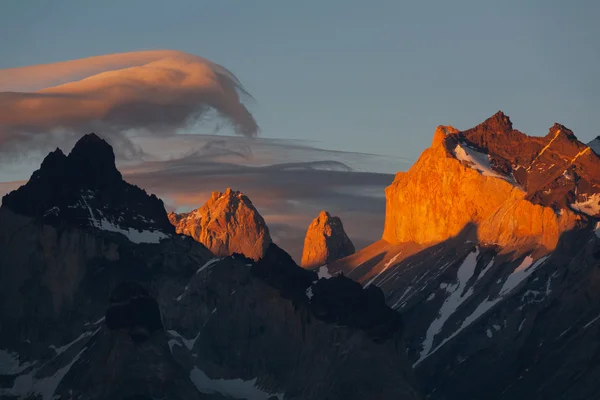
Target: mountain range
{"points": [[482, 286]]}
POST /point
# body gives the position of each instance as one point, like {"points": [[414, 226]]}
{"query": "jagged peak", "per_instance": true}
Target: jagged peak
{"points": [[93, 159], [497, 123], [227, 223], [440, 134], [559, 129]]}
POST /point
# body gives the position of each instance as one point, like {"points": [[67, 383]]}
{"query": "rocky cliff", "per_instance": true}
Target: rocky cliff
{"points": [[516, 191], [491, 250], [325, 241], [89, 313], [228, 223]]}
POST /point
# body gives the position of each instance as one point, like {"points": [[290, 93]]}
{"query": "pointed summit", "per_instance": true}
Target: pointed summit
{"points": [[496, 124], [228, 223], [325, 241], [93, 160]]}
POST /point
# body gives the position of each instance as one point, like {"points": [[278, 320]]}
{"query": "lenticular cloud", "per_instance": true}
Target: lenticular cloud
{"points": [[154, 92]]}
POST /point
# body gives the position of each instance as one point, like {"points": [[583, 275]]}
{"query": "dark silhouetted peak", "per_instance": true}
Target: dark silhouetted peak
{"points": [[133, 309], [86, 189], [53, 166], [93, 161], [338, 300]]}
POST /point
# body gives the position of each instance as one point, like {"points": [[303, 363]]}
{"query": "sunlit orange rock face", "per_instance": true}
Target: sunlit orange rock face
{"points": [[228, 223], [513, 190], [325, 241]]}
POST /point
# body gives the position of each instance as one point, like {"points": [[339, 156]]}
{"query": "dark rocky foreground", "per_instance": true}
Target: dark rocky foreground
{"points": [[100, 299]]}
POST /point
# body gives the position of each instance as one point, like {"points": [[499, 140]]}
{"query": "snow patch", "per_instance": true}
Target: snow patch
{"points": [[236, 388], [591, 322], [28, 385], [520, 274], [452, 303], [210, 262], [52, 211], [486, 269], [597, 229], [385, 267], [309, 292], [134, 236], [590, 206], [323, 273], [188, 343], [61, 349], [489, 333], [10, 364], [479, 161]]}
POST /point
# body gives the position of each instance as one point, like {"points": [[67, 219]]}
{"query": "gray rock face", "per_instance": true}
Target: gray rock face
{"points": [[325, 241], [595, 145], [90, 314]]}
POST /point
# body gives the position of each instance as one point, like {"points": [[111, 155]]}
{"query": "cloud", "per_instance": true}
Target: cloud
{"points": [[153, 92]]}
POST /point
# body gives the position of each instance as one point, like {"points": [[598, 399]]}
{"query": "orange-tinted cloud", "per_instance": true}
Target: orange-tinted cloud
{"points": [[152, 92]]}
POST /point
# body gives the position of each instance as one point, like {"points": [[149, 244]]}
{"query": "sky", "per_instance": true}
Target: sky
{"points": [[374, 78], [342, 94]]}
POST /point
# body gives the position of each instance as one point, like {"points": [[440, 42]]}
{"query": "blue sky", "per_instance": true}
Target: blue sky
{"points": [[361, 76]]}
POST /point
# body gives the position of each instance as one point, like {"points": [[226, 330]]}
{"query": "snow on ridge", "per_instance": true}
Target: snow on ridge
{"points": [[479, 161], [235, 388], [188, 343], [590, 206], [452, 303], [385, 267], [61, 349], [27, 385], [134, 235], [522, 272], [10, 363], [210, 262]]}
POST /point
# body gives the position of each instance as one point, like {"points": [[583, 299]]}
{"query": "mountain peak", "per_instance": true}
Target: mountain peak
{"points": [[557, 129], [497, 123], [86, 189], [228, 223], [93, 161], [325, 241]]}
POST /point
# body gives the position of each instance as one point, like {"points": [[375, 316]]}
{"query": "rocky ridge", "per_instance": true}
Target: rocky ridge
{"points": [[516, 191], [325, 241]]}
